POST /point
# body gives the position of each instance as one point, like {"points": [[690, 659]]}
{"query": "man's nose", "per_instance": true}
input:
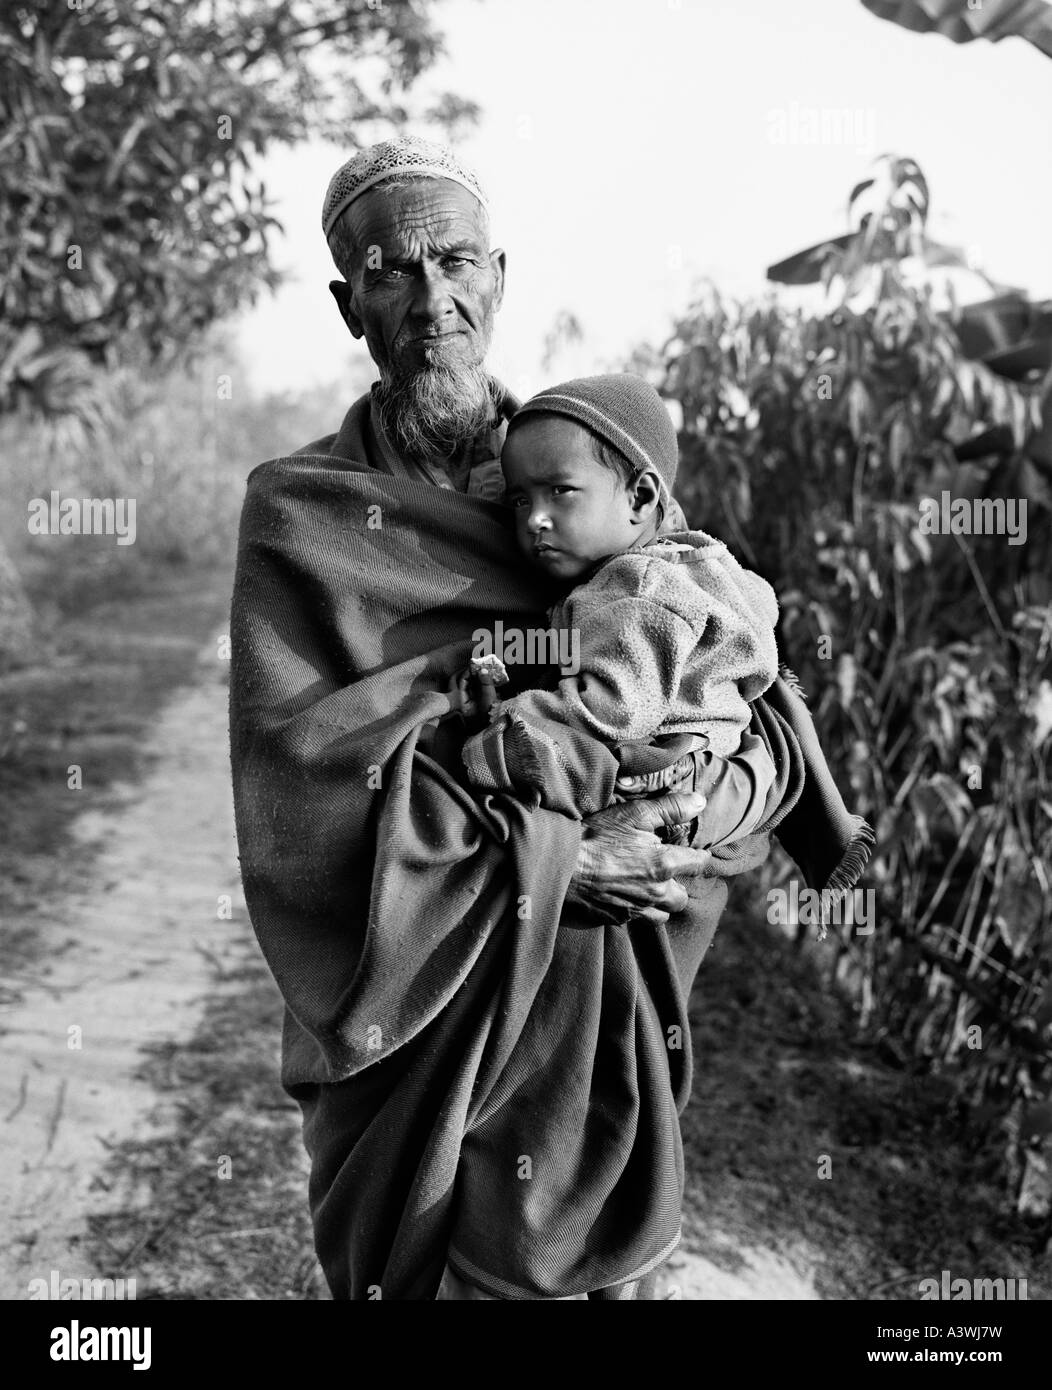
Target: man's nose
{"points": [[433, 300]]}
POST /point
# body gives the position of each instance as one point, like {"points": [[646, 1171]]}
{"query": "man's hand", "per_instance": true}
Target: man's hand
{"points": [[624, 870]]}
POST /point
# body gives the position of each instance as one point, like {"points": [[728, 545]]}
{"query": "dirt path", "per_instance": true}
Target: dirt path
{"points": [[132, 959], [127, 962]]}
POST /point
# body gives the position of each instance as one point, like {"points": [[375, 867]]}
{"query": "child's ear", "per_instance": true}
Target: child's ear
{"points": [[344, 295], [646, 494]]}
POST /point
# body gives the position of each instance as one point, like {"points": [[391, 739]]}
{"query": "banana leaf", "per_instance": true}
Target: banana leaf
{"points": [[960, 22]]}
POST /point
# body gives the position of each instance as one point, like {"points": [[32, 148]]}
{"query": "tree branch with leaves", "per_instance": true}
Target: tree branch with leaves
{"points": [[132, 210]]}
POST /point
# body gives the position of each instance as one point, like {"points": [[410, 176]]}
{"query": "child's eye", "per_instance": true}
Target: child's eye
{"points": [[563, 487], [516, 501]]}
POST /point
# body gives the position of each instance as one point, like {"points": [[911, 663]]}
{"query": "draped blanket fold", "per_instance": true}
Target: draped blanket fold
{"points": [[483, 1073]]}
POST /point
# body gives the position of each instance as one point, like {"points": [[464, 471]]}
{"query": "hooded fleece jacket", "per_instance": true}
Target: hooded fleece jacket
{"points": [[675, 637]]}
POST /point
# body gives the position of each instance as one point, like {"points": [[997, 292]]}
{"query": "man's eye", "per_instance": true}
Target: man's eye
{"points": [[392, 272], [455, 262]]}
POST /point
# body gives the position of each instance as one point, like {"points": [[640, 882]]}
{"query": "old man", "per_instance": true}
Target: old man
{"points": [[486, 1001]]}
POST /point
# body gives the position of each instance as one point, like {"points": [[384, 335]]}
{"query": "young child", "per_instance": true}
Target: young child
{"points": [[675, 637]]}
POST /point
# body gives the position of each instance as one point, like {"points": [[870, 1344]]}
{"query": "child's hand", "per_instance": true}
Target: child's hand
{"points": [[488, 673], [473, 691], [461, 694]]}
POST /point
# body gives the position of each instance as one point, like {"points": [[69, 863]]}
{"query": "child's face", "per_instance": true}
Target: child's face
{"points": [[570, 511]]}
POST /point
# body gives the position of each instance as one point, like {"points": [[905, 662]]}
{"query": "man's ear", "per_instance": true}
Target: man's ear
{"points": [[344, 296], [498, 261], [646, 494]]}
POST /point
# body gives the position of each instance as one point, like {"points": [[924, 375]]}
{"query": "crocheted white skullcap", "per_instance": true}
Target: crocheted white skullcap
{"points": [[407, 154]]}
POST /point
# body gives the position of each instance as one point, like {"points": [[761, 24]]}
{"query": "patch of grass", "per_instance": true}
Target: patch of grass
{"points": [[781, 1079], [92, 700], [181, 1227]]}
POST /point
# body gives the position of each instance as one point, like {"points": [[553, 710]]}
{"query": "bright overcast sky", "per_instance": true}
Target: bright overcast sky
{"points": [[631, 147]]}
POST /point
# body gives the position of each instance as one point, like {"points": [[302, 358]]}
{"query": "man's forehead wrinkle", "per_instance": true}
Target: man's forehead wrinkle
{"points": [[400, 224], [413, 241], [416, 229]]}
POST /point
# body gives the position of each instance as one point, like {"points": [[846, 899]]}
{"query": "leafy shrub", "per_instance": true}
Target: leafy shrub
{"points": [[808, 443]]}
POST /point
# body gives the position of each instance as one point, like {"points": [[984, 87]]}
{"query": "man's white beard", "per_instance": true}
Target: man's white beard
{"points": [[431, 412]]}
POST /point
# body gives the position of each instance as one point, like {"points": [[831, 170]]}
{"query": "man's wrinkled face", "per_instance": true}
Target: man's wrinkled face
{"points": [[425, 285]]}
